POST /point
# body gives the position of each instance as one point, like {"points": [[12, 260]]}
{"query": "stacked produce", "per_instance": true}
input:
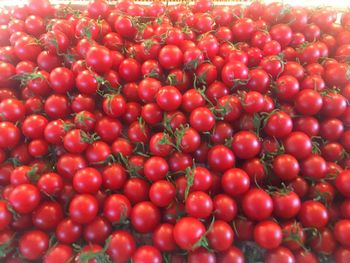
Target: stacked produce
{"points": [[174, 133]]}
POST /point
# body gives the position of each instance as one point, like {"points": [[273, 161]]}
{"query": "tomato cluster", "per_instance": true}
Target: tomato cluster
{"points": [[174, 133]]}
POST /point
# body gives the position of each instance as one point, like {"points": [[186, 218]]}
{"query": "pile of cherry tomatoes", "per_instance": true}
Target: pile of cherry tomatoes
{"points": [[174, 133]]}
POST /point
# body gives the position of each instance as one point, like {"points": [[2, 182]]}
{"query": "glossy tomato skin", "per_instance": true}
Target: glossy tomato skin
{"points": [[286, 167], [10, 134], [233, 254], [170, 57], [121, 246], [245, 145], [298, 144], [313, 214], [221, 158], [59, 252], [342, 255], [221, 236], [342, 184], [147, 253], [33, 244], [61, 80], [25, 198], [5, 215], [268, 234], [202, 119], [257, 204], [83, 208], [199, 204], [68, 231], [116, 208], [235, 182], [145, 216], [280, 254], [187, 232], [47, 216], [99, 59], [286, 205]]}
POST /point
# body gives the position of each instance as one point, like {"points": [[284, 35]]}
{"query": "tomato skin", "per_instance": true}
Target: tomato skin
{"points": [[99, 59], [5, 216], [199, 204], [303, 256], [202, 119], [87, 180], [68, 164], [148, 88], [333, 106], [331, 129], [136, 190], [47, 216], [324, 243], [121, 246], [268, 234], [286, 205], [114, 105], [147, 254], [9, 135], [235, 107], [114, 177], [24, 198], [342, 183], [313, 214], [280, 254], [287, 87], [341, 229], [342, 255], [221, 236], [235, 182], [58, 253], [123, 146], [145, 217], [83, 208], [73, 141], [187, 232], [257, 204], [168, 98], [163, 237], [289, 230], [220, 158], [286, 167], [201, 255], [26, 48], [97, 153], [156, 168], [61, 80], [245, 145], [116, 208], [68, 231], [190, 141], [97, 230], [158, 149], [307, 125], [278, 125], [33, 244], [56, 106], [162, 193], [12, 110], [234, 71], [298, 144], [170, 57], [232, 254], [314, 166]]}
